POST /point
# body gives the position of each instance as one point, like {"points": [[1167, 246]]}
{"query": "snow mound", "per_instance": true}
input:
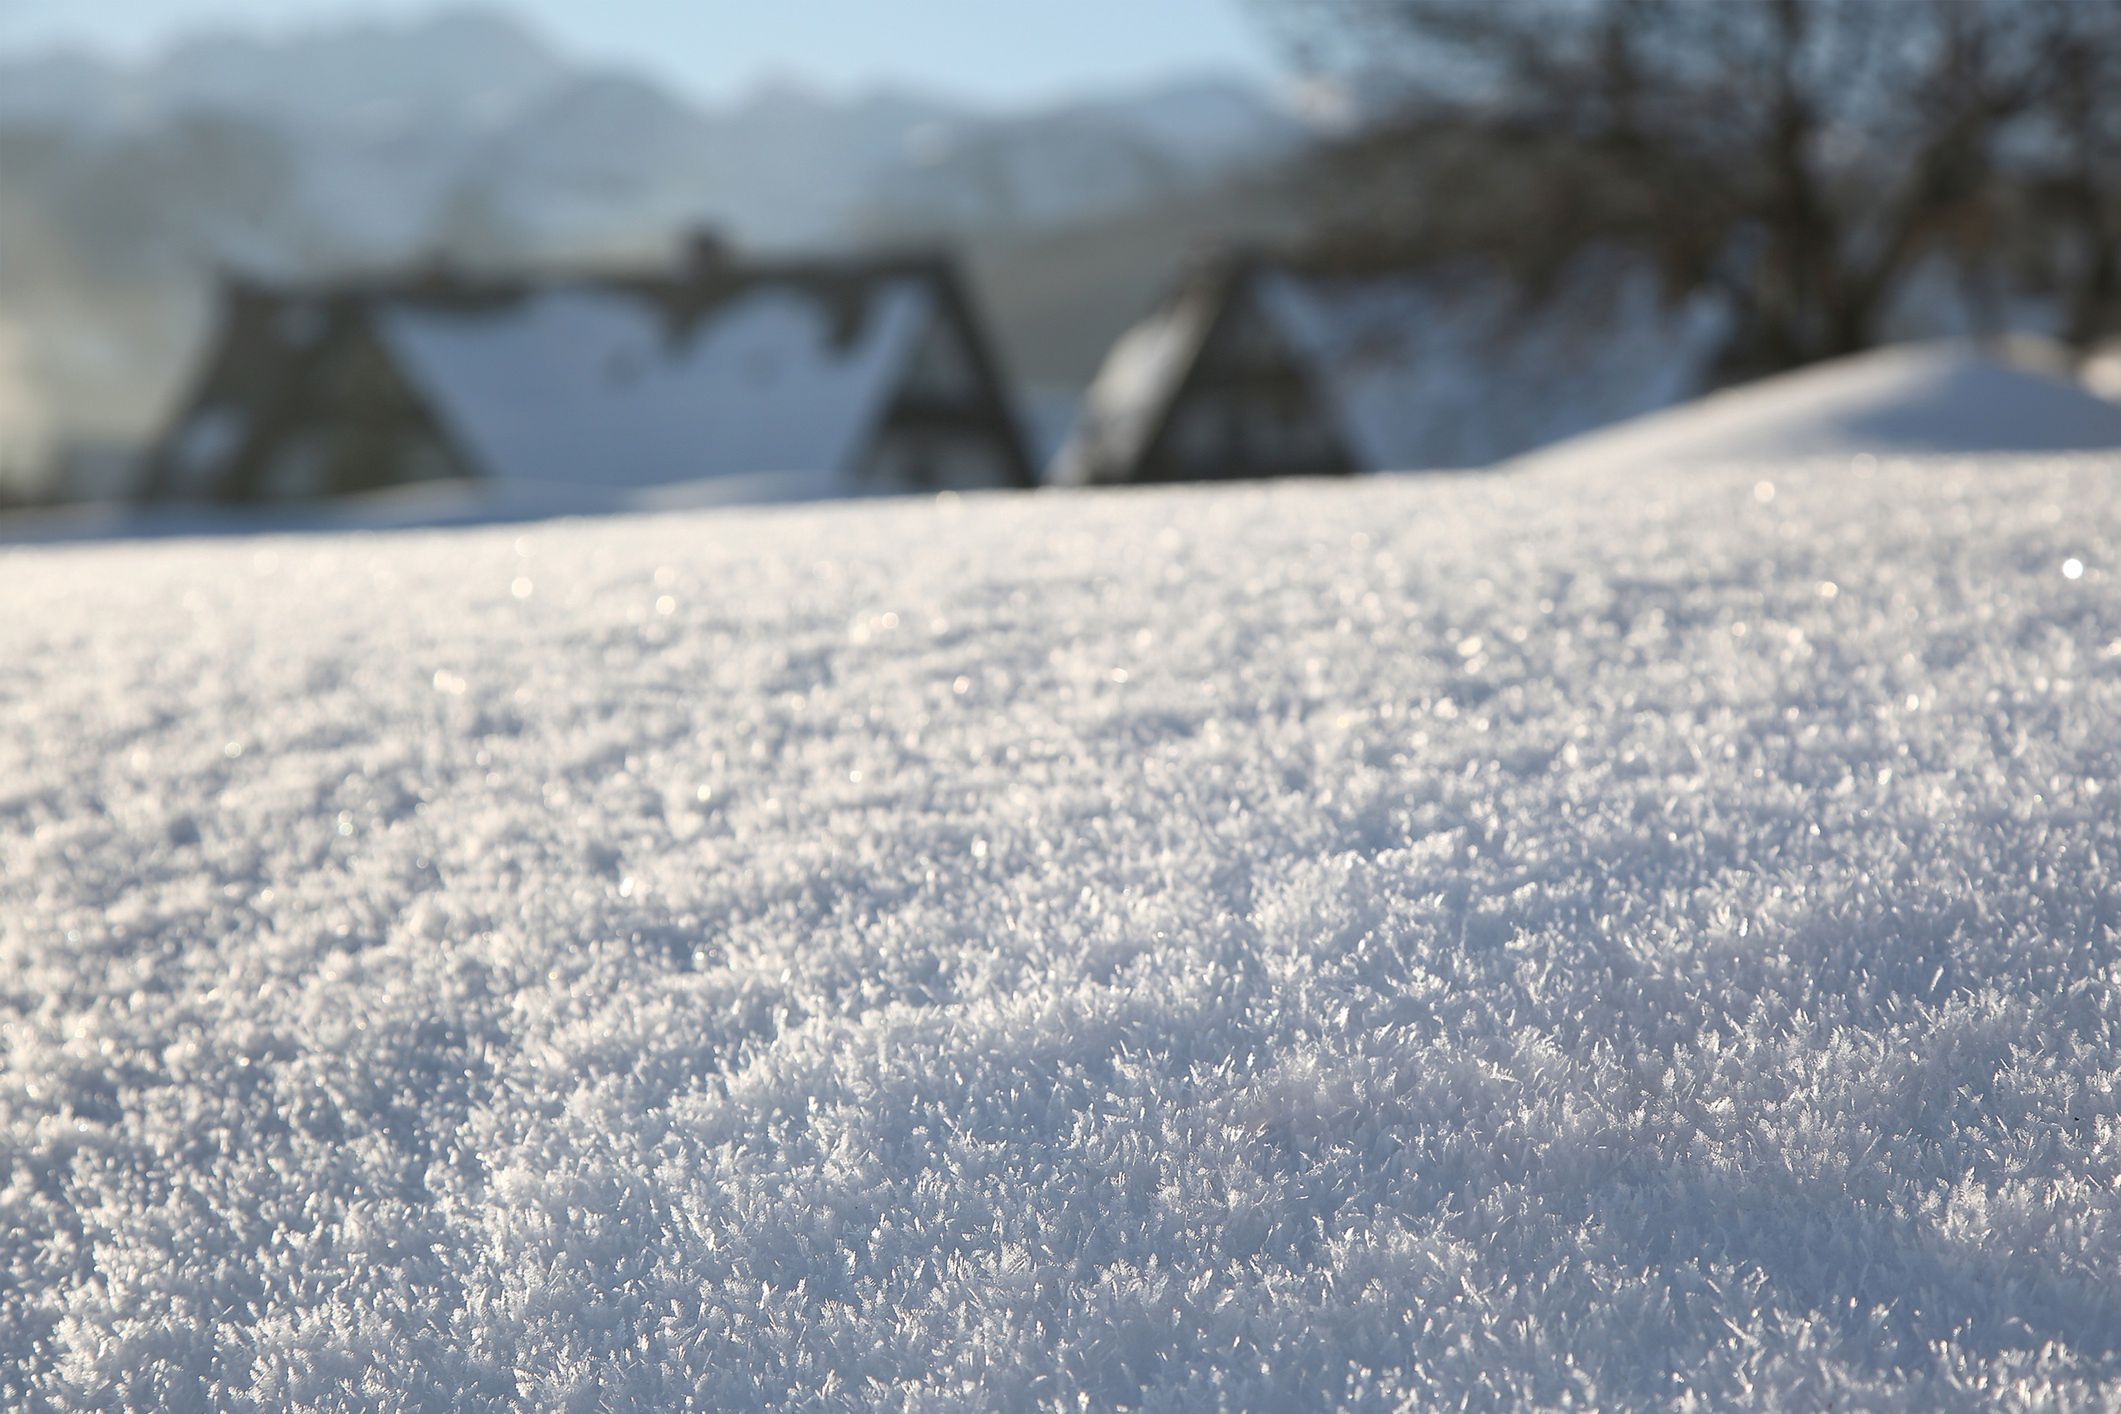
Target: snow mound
{"points": [[1947, 397], [1497, 941]]}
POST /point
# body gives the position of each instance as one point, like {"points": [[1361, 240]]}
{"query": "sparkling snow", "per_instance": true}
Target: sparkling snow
{"points": [[1643, 940]]}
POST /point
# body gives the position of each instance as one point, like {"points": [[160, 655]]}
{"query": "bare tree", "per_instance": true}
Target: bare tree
{"points": [[2080, 154], [1807, 155]]}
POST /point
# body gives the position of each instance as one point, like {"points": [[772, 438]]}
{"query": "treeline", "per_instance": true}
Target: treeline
{"points": [[1807, 158]]}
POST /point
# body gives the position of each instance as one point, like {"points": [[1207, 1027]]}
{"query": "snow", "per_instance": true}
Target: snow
{"points": [[1634, 939], [1945, 396], [425, 505], [546, 389]]}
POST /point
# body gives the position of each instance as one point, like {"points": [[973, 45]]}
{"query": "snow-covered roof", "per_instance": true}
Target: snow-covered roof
{"points": [[1445, 370], [588, 383], [1420, 370], [1125, 402], [1952, 397]]}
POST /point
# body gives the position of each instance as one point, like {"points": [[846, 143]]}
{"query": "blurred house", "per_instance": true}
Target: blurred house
{"points": [[795, 379], [1282, 365], [1209, 386]]}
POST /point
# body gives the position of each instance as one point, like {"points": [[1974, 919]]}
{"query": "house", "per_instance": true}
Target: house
{"points": [[1262, 365], [774, 380]]}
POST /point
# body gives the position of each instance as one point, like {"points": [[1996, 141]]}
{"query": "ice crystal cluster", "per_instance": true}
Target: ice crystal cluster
{"points": [[1643, 939]]}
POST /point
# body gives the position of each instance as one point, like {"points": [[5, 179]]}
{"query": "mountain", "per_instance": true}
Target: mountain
{"points": [[1079, 160], [457, 67], [392, 122]]}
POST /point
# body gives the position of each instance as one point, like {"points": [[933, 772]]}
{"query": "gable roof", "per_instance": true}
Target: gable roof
{"points": [[1130, 399], [578, 383], [1460, 368], [1418, 368]]}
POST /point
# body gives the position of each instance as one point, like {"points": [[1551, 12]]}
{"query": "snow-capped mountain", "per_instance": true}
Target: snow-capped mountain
{"points": [[453, 68], [1085, 159], [396, 127]]}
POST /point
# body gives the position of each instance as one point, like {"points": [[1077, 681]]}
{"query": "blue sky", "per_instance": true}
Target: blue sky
{"points": [[998, 49]]}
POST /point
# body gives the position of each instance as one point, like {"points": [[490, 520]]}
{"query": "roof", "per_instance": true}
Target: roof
{"points": [[580, 382], [617, 379], [1419, 369], [1125, 404], [1459, 368]]}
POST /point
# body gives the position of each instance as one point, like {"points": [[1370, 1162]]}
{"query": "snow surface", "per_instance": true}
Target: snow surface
{"points": [[544, 391], [1643, 940], [1954, 396], [427, 505]]}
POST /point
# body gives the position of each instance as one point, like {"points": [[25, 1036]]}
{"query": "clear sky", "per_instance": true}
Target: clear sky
{"points": [[1001, 50]]}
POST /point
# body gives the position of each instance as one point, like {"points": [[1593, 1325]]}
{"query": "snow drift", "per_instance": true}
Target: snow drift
{"points": [[1642, 940]]}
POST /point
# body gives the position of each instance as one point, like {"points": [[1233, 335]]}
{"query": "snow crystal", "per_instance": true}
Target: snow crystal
{"points": [[1451, 941]]}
